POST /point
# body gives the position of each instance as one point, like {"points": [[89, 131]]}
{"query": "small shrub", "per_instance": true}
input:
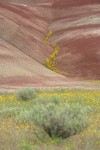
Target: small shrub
{"points": [[15, 111], [60, 120], [26, 94], [26, 146], [50, 99], [24, 116], [8, 112]]}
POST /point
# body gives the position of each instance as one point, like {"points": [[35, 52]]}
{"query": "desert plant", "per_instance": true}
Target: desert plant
{"points": [[7, 112], [56, 99], [26, 146], [26, 94], [60, 120], [16, 111]]}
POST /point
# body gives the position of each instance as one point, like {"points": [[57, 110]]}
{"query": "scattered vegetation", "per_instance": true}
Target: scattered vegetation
{"points": [[58, 119], [26, 94], [51, 61], [46, 40]]}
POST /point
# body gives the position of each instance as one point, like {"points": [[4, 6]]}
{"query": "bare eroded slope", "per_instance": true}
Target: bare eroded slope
{"points": [[76, 29], [22, 47]]}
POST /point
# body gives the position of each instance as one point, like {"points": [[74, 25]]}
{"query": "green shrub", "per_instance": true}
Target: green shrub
{"points": [[26, 94], [26, 146], [50, 99], [24, 116], [62, 120], [16, 111], [8, 112]]}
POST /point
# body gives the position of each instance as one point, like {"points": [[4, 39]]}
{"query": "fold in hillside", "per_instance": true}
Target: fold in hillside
{"points": [[23, 28], [22, 47], [76, 30], [17, 68]]}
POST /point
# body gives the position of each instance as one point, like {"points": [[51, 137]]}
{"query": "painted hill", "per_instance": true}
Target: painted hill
{"points": [[76, 30], [22, 49]]}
